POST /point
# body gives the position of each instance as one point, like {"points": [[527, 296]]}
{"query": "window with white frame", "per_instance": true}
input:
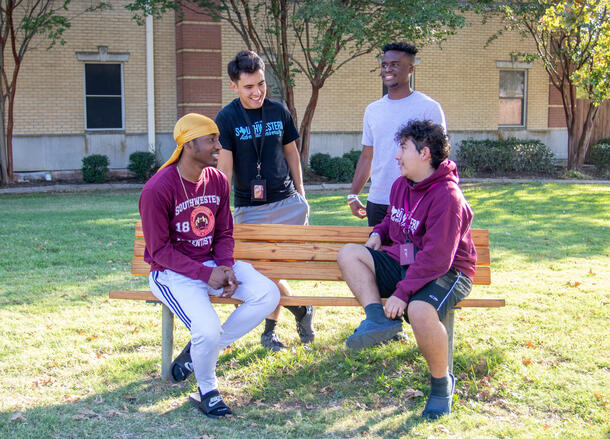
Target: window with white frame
{"points": [[104, 96], [512, 95]]}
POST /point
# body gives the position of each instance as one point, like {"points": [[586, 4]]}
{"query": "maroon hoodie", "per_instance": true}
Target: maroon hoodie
{"points": [[439, 228], [182, 232]]}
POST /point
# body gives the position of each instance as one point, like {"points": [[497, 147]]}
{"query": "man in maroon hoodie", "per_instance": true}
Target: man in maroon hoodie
{"points": [[421, 257], [188, 230]]}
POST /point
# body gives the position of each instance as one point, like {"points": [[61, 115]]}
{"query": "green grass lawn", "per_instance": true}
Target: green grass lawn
{"points": [[74, 364]]}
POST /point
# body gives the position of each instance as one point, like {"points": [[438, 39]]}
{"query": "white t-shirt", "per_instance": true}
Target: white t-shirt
{"points": [[382, 120]]}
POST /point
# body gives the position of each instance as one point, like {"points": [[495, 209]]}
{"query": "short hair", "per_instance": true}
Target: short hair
{"points": [[407, 48], [246, 61], [426, 133]]}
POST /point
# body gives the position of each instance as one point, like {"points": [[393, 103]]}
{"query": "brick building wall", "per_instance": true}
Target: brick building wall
{"points": [[461, 76], [49, 125], [191, 54]]}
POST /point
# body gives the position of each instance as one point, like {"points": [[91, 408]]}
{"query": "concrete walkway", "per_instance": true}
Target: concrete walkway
{"points": [[308, 188]]}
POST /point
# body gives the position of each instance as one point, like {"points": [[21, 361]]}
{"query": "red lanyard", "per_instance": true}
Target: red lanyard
{"points": [[411, 212]]}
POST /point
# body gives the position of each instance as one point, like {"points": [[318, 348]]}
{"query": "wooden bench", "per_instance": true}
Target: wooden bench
{"points": [[298, 253]]}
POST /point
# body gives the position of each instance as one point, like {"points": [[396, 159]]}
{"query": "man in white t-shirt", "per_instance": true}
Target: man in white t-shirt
{"points": [[382, 120]]}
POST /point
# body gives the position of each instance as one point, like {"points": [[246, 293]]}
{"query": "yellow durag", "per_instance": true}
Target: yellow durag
{"points": [[190, 127]]}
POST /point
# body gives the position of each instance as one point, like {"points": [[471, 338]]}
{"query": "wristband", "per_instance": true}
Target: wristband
{"points": [[351, 198], [374, 233]]}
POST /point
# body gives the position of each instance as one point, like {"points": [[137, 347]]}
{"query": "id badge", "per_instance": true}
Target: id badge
{"points": [[258, 190], [407, 253]]}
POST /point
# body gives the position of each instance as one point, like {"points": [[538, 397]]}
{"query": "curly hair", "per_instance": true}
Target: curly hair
{"points": [[407, 48], [245, 61], [426, 133]]}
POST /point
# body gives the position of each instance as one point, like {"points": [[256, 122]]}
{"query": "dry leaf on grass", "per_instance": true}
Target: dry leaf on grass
{"points": [[18, 417], [412, 393], [86, 414]]}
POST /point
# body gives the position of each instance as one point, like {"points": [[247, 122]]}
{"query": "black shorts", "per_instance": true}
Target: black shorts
{"points": [[375, 213], [442, 293]]}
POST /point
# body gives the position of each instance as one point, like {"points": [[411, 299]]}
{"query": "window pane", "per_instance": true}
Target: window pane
{"points": [[511, 111], [104, 112], [103, 79], [512, 83]]}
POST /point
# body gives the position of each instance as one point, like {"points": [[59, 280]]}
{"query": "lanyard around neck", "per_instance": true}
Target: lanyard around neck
{"points": [[410, 213], [257, 150]]}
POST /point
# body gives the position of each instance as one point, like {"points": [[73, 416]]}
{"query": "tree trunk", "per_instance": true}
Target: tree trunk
{"points": [[587, 133], [10, 120], [3, 155], [289, 96], [305, 129]]}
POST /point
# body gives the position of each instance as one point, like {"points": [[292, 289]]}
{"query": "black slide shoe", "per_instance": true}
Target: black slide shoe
{"points": [[182, 366], [211, 404]]}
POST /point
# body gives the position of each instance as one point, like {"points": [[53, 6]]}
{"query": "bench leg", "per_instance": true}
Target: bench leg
{"points": [[167, 342], [448, 322]]}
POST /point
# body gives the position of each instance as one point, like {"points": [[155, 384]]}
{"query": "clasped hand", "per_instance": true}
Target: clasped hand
{"points": [[224, 277]]}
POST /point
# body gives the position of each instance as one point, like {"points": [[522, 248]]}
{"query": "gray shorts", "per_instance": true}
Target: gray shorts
{"points": [[291, 210]]}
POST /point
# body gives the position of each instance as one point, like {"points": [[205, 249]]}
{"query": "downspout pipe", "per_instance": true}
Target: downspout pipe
{"points": [[150, 84]]}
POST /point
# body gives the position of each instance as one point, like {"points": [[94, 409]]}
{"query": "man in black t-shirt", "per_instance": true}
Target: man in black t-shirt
{"points": [[258, 140]]}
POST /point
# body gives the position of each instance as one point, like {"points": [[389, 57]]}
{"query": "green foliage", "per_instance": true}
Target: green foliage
{"points": [[353, 155], [340, 169], [319, 163], [508, 156], [143, 164], [336, 168], [573, 174], [605, 140], [95, 168], [572, 40], [599, 155]]}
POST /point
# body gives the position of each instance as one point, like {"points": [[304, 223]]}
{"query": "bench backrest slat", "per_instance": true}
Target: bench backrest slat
{"points": [[304, 252], [337, 234], [291, 251]]}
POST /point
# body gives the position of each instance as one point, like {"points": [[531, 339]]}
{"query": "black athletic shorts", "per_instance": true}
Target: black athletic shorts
{"points": [[442, 293]]}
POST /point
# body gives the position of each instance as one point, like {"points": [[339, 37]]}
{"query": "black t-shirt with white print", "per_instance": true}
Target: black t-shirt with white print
{"points": [[235, 136]]}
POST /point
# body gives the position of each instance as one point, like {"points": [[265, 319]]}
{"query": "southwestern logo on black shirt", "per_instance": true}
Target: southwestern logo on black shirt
{"points": [[272, 129]]}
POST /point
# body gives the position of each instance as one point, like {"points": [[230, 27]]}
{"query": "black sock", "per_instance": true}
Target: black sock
{"points": [[298, 311], [440, 386], [269, 326], [375, 312]]}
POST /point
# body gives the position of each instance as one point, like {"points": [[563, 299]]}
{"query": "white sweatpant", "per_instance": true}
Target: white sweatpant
{"points": [[189, 300]]}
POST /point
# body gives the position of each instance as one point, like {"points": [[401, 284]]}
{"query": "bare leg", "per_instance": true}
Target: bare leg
{"points": [[358, 269], [284, 291], [430, 335]]}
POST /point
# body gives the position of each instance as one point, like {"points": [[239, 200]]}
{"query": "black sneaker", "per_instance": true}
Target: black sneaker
{"points": [[212, 404], [271, 341], [305, 326], [182, 366]]}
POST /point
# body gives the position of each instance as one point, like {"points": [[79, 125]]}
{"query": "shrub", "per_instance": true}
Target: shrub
{"points": [[353, 155], [319, 163], [95, 168], [143, 164], [335, 168], [599, 155], [505, 156], [340, 169]]}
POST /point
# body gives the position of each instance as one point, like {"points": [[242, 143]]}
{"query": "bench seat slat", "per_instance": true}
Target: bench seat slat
{"points": [[304, 300]]}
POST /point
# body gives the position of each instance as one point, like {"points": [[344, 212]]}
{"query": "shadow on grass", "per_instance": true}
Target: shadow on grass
{"points": [[326, 391]]}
